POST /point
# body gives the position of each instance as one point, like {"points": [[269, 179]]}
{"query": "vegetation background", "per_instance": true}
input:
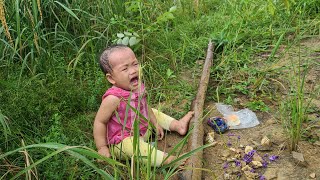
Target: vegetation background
{"points": [[51, 84]]}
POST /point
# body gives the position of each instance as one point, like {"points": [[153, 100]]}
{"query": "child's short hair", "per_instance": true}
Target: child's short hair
{"points": [[104, 57]]}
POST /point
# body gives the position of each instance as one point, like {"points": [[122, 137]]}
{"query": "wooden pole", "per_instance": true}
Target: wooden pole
{"points": [[194, 164]]}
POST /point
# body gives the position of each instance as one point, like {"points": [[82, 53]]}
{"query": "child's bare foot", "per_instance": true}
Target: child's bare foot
{"points": [[182, 125]]}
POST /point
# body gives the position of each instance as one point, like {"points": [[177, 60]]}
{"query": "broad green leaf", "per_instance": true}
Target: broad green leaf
{"points": [[136, 34], [125, 40], [127, 33], [119, 41], [132, 41], [120, 35]]}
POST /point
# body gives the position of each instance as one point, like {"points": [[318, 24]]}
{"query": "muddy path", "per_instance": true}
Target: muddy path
{"points": [[217, 160]]}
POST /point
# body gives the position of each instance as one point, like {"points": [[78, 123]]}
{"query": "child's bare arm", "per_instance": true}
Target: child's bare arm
{"points": [[153, 120], [107, 107]]}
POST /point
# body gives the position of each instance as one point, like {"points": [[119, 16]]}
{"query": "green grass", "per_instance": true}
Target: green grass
{"points": [[51, 85]]}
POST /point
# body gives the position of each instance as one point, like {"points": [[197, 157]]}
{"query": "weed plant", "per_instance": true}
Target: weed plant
{"points": [[50, 84], [295, 108]]}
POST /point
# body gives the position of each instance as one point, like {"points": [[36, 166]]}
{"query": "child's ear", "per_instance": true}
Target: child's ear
{"points": [[110, 78]]}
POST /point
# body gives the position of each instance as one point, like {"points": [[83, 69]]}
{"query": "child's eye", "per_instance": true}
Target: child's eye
{"points": [[124, 69]]}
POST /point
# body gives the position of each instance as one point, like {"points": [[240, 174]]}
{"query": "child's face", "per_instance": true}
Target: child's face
{"points": [[125, 69]]}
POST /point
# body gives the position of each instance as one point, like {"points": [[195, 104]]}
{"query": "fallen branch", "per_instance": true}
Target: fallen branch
{"points": [[194, 164]]}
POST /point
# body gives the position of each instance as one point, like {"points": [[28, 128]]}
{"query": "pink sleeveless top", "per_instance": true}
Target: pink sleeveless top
{"points": [[120, 125]]}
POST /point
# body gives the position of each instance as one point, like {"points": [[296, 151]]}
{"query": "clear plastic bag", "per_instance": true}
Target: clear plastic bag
{"points": [[241, 119]]}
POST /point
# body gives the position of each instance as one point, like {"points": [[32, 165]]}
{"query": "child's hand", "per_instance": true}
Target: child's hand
{"points": [[160, 132], [104, 151]]}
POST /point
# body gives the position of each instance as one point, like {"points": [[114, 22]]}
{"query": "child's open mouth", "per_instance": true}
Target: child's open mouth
{"points": [[134, 81]]}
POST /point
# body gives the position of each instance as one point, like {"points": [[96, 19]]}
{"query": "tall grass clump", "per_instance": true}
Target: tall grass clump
{"points": [[294, 108]]}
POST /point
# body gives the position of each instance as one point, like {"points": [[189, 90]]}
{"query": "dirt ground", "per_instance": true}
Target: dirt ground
{"points": [[285, 166]]}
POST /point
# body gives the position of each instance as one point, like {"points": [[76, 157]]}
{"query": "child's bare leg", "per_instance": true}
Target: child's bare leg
{"points": [[182, 125]]}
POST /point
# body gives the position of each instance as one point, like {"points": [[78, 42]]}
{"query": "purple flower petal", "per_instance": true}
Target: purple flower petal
{"points": [[239, 137], [248, 157], [252, 152], [264, 164], [238, 163], [225, 165], [262, 177], [273, 158], [252, 170], [229, 143]]}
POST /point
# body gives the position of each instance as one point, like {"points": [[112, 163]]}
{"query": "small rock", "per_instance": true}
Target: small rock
{"points": [[231, 159], [251, 175], [246, 168], [241, 146], [271, 173], [256, 164], [256, 157], [298, 157], [238, 156], [312, 175], [265, 142], [210, 137], [317, 143], [248, 149], [226, 153]]}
